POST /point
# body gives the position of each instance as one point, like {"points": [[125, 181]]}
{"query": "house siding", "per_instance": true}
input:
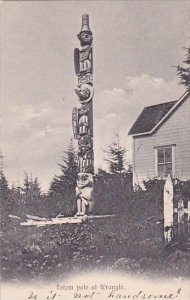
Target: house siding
{"points": [[174, 131]]}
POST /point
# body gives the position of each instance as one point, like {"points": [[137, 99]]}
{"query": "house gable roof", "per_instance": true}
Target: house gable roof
{"points": [[153, 116]]}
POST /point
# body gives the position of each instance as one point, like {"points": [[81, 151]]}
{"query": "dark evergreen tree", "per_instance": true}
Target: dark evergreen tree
{"points": [[31, 190], [116, 157], [184, 71], [5, 203], [29, 196], [111, 191], [16, 196], [67, 180], [112, 188], [3, 181], [62, 188]]}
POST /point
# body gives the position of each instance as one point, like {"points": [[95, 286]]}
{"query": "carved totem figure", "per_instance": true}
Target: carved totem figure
{"points": [[84, 190], [82, 119]]}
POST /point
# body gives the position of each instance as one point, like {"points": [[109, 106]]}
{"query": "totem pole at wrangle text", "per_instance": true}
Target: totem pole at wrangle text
{"points": [[82, 119]]}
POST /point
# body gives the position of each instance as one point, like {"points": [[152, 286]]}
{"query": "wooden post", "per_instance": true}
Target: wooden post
{"points": [[168, 210], [181, 221], [176, 215]]}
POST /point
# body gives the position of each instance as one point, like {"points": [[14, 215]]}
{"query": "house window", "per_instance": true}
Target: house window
{"points": [[164, 161]]}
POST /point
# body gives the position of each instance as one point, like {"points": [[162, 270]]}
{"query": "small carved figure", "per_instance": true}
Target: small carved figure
{"points": [[85, 35], [85, 93], [83, 61], [85, 53], [84, 109], [89, 161], [85, 143], [84, 196], [86, 162], [83, 125]]}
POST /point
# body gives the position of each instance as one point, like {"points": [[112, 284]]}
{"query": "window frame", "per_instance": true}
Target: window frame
{"points": [[164, 163]]}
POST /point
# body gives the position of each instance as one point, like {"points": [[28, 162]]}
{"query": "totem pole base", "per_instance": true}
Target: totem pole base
{"points": [[63, 220]]}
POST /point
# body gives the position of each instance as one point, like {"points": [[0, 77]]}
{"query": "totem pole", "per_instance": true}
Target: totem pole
{"points": [[82, 119]]}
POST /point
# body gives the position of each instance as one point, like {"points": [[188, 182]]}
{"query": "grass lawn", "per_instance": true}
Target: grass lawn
{"points": [[124, 243]]}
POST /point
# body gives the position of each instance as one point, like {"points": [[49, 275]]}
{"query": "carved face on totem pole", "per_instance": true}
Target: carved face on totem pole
{"points": [[84, 194], [84, 109], [83, 125], [85, 35], [84, 180], [85, 143], [85, 93], [86, 161], [85, 38]]}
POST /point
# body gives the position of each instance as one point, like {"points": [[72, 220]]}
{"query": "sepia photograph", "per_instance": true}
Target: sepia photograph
{"points": [[95, 150]]}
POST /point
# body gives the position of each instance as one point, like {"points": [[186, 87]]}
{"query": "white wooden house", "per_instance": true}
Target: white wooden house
{"points": [[161, 141]]}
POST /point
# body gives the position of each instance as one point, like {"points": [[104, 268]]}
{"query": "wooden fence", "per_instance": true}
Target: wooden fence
{"points": [[181, 224], [176, 215]]}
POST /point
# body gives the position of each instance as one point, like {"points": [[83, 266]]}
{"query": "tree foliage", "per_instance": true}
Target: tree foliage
{"points": [[4, 189], [116, 157], [112, 192], [28, 195], [5, 204], [184, 71], [130, 242], [31, 190], [62, 188]]}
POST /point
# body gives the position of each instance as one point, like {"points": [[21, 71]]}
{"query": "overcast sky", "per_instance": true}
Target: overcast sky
{"points": [[136, 43]]}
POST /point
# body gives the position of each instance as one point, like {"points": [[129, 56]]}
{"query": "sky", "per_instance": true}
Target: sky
{"points": [[136, 46]]}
